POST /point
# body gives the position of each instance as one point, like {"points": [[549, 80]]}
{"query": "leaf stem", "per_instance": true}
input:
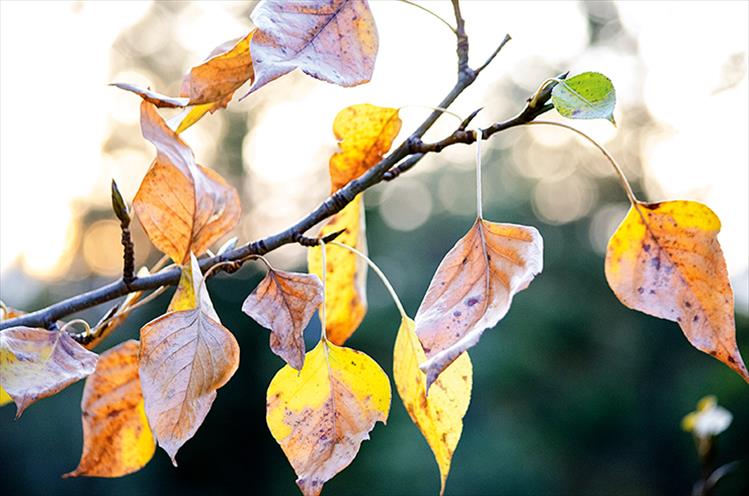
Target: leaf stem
{"points": [[324, 271], [414, 4], [436, 109], [381, 275], [479, 200], [619, 172]]}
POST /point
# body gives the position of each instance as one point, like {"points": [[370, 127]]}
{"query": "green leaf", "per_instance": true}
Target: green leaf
{"points": [[589, 95]]}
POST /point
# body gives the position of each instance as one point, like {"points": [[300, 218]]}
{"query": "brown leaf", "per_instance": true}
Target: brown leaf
{"points": [[284, 303], [185, 356], [665, 260], [182, 206], [36, 363], [473, 289], [346, 274], [332, 40], [116, 437], [366, 132]]}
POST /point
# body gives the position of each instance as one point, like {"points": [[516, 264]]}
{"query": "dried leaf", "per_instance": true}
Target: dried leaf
{"points": [[116, 437], [332, 40], [321, 414], [439, 415], [365, 133], [189, 287], [284, 303], [4, 397], [182, 206], [346, 274], [36, 363], [185, 356], [473, 289], [665, 260]]}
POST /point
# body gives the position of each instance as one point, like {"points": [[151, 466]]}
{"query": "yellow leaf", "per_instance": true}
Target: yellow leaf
{"points": [[332, 40], [116, 437], [346, 274], [439, 415], [366, 133], [665, 260], [4, 397], [321, 414], [36, 363], [284, 303], [473, 288], [185, 356], [182, 206]]}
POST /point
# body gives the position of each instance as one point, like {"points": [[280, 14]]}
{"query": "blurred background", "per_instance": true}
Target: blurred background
{"points": [[573, 393]]}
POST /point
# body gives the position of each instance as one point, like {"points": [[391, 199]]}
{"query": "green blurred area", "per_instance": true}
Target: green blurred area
{"points": [[573, 393]]}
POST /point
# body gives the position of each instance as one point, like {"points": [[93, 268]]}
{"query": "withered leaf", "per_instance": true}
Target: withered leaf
{"points": [[346, 274], [332, 40], [473, 289], [321, 414], [182, 206], [284, 303], [116, 437], [438, 415], [36, 363], [185, 356], [365, 133], [665, 260], [161, 101]]}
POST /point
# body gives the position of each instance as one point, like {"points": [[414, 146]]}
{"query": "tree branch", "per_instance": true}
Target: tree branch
{"points": [[405, 156]]}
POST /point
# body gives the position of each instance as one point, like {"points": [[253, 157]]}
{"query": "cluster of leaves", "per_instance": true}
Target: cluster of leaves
{"points": [[663, 260]]}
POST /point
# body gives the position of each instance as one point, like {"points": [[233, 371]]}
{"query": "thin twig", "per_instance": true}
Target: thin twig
{"points": [[414, 4]]}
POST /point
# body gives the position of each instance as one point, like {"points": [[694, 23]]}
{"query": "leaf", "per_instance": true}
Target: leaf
{"points": [[365, 133], [182, 206], [439, 415], [191, 292], [116, 437], [589, 95], [473, 289], [284, 303], [4, 397], [346, 274], [185, 356], [331, 40], [161, 101], [36, 363], [665, 260], [321, 414]]}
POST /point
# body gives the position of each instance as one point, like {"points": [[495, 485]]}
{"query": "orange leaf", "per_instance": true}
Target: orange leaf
{"points": [[116, 437], [365, 133], [227, 68], [284, 303], [332, 40], [182, 206], [185, 356], [346, 274], [665, 260], [473, 289], [36, 363]]}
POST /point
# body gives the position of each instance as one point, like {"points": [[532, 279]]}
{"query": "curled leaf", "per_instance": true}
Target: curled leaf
{"points": [[438, 415], [346, 274], [473, 289], [589, 95], [161, 101], [185, 356], [116, 437], [182, 206], [284, 303], [36, 363], [365, 133], [665, 260], [321, 414], [332, 40]]}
